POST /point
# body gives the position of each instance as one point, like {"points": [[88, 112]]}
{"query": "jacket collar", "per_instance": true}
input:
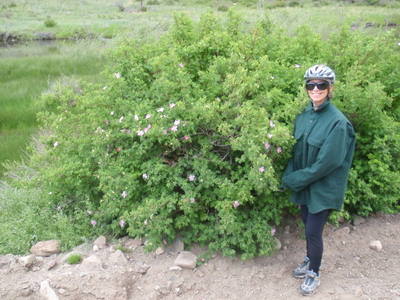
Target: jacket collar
{"points": [[321, 108]]}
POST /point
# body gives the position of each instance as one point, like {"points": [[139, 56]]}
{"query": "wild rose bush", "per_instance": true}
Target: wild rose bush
{"points": [[191, 134]]}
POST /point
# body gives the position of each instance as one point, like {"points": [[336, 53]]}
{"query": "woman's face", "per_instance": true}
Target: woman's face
{"points": [[316, 95]]}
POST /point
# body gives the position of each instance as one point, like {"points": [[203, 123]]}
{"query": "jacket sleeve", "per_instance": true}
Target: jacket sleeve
{"points": [[331, 156]]}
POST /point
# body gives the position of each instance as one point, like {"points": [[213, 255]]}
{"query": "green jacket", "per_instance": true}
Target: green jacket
{"points": [[318, 170]]}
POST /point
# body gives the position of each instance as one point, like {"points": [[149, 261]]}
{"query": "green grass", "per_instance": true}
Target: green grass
{"points": [[28, 70], [103, 18]]}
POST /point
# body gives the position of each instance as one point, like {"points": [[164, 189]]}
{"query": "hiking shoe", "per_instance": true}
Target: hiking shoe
{"points": [[310, 284], [301, 270]]}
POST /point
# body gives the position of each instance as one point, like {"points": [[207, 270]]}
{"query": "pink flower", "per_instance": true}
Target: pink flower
{"points": [[140, 133], [161, 109], [261, 169], [192, 177], [147, 128], [177, 122], [267, 145], [122, 223], [148, 116], [145, 176], [271, 124], [124, 194], [174, 128], [235, 204], [279, 149], [186, 137], [172, 105], [93, 223]]}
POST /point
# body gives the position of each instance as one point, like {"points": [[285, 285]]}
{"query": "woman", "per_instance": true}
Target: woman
{"points": [[317, 173]]}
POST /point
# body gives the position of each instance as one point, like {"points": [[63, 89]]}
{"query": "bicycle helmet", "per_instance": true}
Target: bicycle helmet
{"points": [[320, 72]]}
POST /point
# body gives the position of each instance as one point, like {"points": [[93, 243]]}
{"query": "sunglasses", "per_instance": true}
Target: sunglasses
{"points": [[320, 85]]}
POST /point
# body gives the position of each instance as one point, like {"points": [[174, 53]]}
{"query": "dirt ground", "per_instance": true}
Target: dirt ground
{"points": [[350, 270]]}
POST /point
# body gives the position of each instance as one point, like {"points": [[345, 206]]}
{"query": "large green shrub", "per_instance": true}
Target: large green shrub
{"points": [[192, 132]]}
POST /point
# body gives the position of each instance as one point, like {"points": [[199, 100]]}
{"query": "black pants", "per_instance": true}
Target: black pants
{"points": [[314, 226]]}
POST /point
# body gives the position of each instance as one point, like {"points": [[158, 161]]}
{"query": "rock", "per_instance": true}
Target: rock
{"points": [[140, 267], [175, 268], [92, 261], [100, 242], [358, 292], [186, 260], [376, 245], [118, 258], [27, 261], [159, 251], [358, 220], [46, 248], [278, 244], [50, 265], [133, 243], [47, 292]]}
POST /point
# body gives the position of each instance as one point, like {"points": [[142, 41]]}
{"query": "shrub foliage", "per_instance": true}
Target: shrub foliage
{"points": [[192, 132]]}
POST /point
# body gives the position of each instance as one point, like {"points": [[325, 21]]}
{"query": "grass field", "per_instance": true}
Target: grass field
{"points": [[25, 72]]}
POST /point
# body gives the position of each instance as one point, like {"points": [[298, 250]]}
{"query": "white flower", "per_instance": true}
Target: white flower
{"points": [[161, 109], [148, 116], [112, 113], [56, 144], [172, 105], [121, 119], [122, 223], [124, 194], [140, 133], [270, 135], [297, 66], [136, 117], [192, 200], [192, 177], [145, 176], [117, 75], [236, 204], [174, 128], [177, 122], [271, 124]]}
